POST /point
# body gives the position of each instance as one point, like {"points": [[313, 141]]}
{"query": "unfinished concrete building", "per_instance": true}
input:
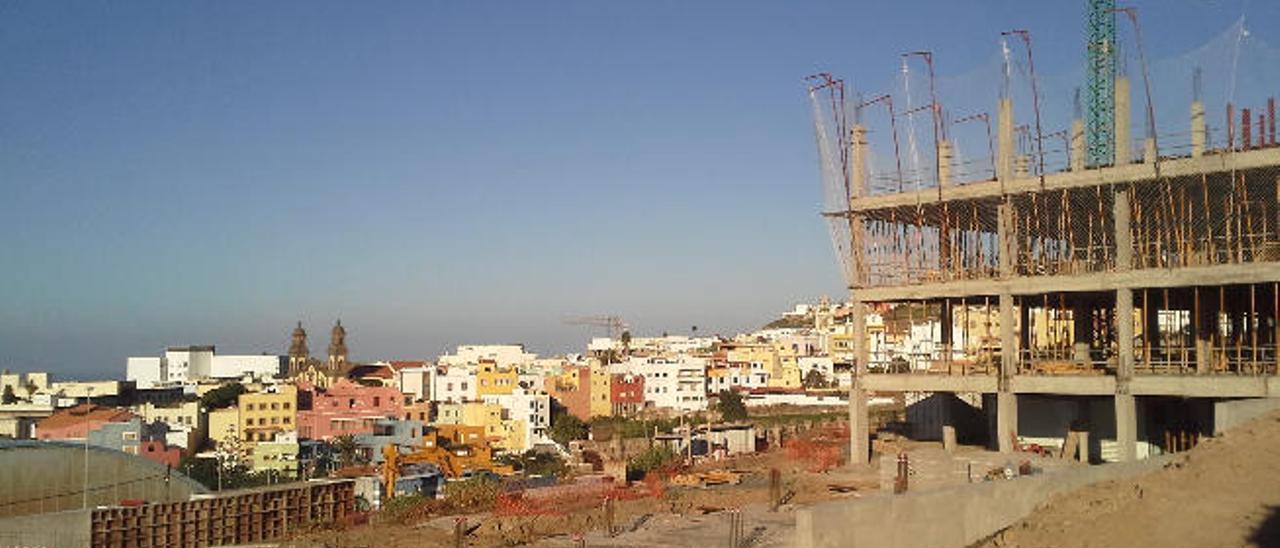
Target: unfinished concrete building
{"points": [[1132, 294]]}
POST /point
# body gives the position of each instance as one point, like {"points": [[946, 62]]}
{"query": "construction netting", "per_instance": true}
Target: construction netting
{"points": [[1176, 222]]}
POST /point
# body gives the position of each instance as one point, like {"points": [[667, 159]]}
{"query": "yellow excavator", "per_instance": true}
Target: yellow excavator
{"points": [[455, 450]]}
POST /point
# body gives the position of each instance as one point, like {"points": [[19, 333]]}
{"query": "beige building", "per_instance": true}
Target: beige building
{"points": [[224, 424], [265, 415]]}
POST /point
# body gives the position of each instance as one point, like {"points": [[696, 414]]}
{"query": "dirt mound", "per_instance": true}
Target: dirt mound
{"points": [[1225, 492]]}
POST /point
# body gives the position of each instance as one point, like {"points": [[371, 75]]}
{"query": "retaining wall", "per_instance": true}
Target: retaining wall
{"points": [[951, 517]]}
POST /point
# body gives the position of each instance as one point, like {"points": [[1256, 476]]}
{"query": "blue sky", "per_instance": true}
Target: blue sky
{"points": [[442, 173]]}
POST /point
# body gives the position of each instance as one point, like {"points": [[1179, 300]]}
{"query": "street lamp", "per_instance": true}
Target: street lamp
{"points": [[85, 492]]}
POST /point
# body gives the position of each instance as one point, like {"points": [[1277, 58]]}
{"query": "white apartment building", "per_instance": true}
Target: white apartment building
{"points": [[738, 375], [822, 364], [146, 372], [184, 363], [185, 423], [260, 366], [678, 383], [187, 364], [505, 355], [532, 407], [19, 383], [416, 381], [453, 384]]}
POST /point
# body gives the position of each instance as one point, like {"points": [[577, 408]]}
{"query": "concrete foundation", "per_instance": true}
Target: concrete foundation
{"points": [[942, 518]]}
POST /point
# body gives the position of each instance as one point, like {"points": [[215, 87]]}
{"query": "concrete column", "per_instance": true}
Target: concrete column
{"points": [[1123, 236], [1124, 336], [1008, 339], [1082, 442], [1007, 235], [1004, 141], [859, 418], [1199, 135], [858, 156], [1006, 420], [1127, 426], [1123, 142], [1149, 152], [1077, 145], [857, 189]]}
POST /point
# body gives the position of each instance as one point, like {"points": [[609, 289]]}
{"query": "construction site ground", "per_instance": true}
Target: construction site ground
{"points": [[679, 516], [1224, 492]]}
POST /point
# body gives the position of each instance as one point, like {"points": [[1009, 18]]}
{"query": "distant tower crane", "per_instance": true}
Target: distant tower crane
{"points": [[614, 324]]}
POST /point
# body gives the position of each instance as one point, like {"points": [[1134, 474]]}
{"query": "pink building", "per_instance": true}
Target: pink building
{"points": [[345, 408]]}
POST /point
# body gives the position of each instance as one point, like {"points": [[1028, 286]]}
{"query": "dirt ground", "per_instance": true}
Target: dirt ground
{"points": [[1225, 492]]}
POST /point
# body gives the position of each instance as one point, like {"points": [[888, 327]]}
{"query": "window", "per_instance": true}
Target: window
{"points": [[262, 421], [287, 405], [275, 406], [377, 401]]}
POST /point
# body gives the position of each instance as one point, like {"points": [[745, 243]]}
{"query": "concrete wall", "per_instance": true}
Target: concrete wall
{"points": [[1229, 413], [957, 516], [69, 528]]}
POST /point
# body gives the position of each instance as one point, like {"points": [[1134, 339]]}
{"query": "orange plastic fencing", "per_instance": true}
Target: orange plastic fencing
{"points": [[818, 456]]}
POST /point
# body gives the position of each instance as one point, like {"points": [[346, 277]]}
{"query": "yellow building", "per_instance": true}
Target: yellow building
{"points": [[265, 415], [280, 456], [488, 415], [224, 424], [492, 380], [788, 368], [762, 358], [599, 394]]}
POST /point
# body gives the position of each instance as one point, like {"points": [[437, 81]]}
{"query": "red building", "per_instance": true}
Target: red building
{"points": [[157, 451], [626, 394], [572, 390], [345, 408]]}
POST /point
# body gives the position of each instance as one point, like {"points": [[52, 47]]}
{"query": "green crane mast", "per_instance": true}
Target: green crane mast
{"points": [[1100, 90]]}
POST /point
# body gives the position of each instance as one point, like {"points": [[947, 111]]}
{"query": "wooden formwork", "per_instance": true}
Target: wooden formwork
{"points": [[233, 518]]}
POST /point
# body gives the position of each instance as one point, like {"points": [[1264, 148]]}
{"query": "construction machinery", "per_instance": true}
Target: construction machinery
{"points": [[456, 450]]}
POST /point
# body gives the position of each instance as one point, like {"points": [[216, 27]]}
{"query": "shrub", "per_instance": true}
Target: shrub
{"points": [[477, 493]]}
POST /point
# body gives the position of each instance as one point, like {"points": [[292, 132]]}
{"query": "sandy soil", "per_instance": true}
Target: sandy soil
{"points": [[1225, 492]]}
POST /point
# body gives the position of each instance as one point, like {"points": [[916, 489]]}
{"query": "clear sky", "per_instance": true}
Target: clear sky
{"points": [[442, 173]]}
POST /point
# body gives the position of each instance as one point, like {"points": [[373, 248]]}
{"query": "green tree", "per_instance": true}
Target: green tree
{"points": [[8, 397], [814, 379], [346, 448], [651, 459], [536, 463], [626, 342], [222, 397], [565, 428], [731, 406]]}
